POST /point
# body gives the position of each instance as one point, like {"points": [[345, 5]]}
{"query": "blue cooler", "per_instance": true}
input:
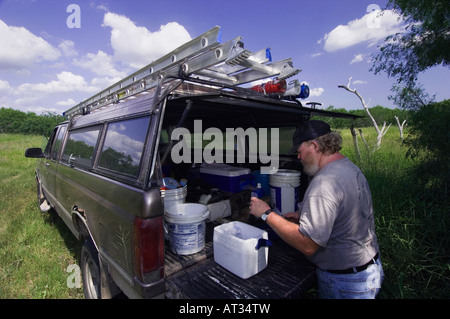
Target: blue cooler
{"points": [[224, 177]]}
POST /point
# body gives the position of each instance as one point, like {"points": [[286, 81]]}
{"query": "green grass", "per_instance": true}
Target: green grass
{"points": [[412, 226], [35, 248]]}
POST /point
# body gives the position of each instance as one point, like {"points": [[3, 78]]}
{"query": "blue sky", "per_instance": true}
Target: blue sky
{"points": [[47, 65]]}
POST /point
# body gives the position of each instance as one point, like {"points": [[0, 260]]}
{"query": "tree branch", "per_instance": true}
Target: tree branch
{"points": [[380, 133]]}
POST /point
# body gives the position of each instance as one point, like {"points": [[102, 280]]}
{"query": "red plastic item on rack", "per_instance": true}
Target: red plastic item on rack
{"points": [[272, 87]]}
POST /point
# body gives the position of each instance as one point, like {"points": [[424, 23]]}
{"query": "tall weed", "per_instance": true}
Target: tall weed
{"points": [[412, 223]]}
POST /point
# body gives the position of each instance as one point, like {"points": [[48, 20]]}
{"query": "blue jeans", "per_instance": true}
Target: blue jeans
{"points": [[361, 285]]}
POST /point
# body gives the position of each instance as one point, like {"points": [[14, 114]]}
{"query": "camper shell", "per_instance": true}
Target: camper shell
{"points": [[104, 169]]}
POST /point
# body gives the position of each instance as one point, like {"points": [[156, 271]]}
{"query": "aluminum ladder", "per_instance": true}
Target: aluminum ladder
{"points": [[204, 57]]}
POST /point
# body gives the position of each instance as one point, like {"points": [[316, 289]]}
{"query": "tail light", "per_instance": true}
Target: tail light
{"points": [[149, 248]]}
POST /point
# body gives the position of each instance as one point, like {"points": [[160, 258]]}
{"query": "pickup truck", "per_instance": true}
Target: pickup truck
{"points": [[105, 170]]}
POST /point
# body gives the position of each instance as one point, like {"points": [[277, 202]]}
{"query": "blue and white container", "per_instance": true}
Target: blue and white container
{"points": [[284, 190], [186, 226], [225, 177]]}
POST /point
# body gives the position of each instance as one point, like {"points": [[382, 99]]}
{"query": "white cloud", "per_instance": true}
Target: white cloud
{"points": [[146, 46], [357, 58], [104, 82], [21, 49], [316, 92], [29, 100], [41, 110], [69, 102], [359, 82], [5, 90], [103, 8], [370, 29], [62, 91], [4, 87], [100, 64], [126, 144], [67, 48], [66, 82]]}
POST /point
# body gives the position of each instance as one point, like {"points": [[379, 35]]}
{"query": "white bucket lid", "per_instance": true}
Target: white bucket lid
{"points": [[224, 170], [186, 212], [287, 173]]}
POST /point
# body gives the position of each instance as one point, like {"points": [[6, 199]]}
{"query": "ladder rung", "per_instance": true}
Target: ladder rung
{"points": [[212, 57], [282, 69], [262, 56]]}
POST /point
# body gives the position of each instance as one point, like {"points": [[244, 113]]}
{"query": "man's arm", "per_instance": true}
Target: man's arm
{"points": [[287, 230]]}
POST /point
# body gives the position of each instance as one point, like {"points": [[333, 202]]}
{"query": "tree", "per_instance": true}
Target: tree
{"points": [[424, 43], [400, 126], [410, 98], [380, 132], [15, 121], [429, 141]]}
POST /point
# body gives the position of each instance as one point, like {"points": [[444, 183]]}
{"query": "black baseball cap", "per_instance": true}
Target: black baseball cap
{"points": [[307, 131]]}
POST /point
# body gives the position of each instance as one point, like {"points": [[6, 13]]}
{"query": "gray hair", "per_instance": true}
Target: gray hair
{"points": [[329, 143]]}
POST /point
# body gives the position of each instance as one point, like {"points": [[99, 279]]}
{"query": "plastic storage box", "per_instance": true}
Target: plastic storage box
{"points": [[241, 248], [225, 177]]}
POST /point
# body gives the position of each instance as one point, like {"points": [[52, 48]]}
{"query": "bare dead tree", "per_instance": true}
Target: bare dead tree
{"points": [[380, 132], [400, 126], [355, 141]]}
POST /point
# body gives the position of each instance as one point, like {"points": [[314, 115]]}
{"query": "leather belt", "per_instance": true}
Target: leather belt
{"points": [[355, 269]]}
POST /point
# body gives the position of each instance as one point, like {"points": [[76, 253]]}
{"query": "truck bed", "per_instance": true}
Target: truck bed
{"points": [[288, 274]]}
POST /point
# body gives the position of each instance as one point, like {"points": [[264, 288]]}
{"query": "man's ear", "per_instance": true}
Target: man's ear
{"points": [[315, 145]]}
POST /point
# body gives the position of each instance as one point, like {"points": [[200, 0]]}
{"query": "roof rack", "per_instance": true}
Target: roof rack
{"points": [[204, 57]]}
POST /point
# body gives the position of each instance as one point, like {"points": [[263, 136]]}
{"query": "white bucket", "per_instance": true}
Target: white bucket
{"points": [[186, 226], [174, 196], [284, 190]]}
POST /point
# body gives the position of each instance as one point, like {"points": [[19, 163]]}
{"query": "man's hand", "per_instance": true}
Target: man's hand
{"points": [[258, 207]]}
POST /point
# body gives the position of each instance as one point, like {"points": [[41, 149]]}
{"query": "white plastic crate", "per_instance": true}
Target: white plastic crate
{"points": [[235, 248]]}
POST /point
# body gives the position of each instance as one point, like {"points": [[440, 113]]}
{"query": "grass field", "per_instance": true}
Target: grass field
{"points": [[412, 226], [35, 248], [412, 223]]}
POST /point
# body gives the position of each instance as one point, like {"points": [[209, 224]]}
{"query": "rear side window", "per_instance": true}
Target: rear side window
{"points": [[50, 141], [123, 146], [58, 142], [80, 147]]}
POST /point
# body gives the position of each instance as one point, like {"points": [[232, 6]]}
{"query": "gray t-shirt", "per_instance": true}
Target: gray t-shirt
{"points": [[337, 214]]}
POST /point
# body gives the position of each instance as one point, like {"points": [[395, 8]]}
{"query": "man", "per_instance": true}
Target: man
{"points": [[335, 227]]}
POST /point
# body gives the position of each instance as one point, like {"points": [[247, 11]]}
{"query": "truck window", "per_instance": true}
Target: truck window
{"points": [[50, 142], [123, 146], [57, 143], [80, 147]]}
